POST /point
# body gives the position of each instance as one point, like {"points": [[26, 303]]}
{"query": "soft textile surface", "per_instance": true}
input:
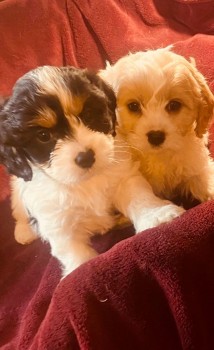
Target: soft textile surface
{"points": [[151, 291]]}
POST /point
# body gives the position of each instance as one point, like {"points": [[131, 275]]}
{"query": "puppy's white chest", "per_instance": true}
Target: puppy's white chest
{"points": [[84, 208]]}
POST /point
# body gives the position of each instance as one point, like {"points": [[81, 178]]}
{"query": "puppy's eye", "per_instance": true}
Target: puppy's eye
{"points": [[43, 135], [134, 107], [173, 106]]}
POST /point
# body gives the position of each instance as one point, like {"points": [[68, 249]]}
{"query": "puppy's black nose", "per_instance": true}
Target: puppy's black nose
{"points": [[156, 138], [85, 159]]}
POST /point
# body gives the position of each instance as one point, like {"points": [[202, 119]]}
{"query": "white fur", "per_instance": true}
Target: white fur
{"points": [[152, 79], [71, 203]]}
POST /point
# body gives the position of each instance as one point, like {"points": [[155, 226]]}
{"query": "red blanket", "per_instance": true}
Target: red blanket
{"points": [[151, 291]]}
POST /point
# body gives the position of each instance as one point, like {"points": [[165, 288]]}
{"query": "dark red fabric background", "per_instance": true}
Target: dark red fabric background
{"points": [[151, 291]]}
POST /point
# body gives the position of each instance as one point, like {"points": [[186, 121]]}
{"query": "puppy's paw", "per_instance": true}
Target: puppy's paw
{"points": [[169, 212], [74, 263], [156, 216], [24, 233]]}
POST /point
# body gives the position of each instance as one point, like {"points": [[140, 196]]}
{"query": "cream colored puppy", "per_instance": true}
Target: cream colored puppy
{"points": [[164, 109]]}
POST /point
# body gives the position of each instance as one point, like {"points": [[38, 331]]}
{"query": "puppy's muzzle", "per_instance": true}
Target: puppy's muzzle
{"points": [[156, 138], [85, 159]]}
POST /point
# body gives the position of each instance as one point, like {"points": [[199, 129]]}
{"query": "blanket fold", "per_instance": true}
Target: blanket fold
{"points": [[145, 293]]}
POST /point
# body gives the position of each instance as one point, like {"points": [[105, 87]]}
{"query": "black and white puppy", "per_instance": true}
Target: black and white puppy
{"points": [[70, 174]]}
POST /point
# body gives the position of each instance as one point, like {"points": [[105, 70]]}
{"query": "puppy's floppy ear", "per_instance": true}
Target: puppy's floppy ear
{"points": [[111, 97], [101, 84], [12, 157], [206, 106], [15, 161]]}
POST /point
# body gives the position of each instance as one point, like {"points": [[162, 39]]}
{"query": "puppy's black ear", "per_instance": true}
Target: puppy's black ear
{"points": [[16, 162], [95, 79], [102, 85], [13, 158]]}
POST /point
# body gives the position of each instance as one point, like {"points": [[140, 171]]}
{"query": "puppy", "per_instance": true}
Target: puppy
{"points": [[70, 176], [164, 109]]}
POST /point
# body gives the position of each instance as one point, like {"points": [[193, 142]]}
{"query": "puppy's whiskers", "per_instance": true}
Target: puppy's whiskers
{"points": [[137, 149]]}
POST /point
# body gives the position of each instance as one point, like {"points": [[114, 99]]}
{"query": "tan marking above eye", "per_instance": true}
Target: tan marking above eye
{"points": [[71, 104], [45, 118], [51, 82], [77, 103]]}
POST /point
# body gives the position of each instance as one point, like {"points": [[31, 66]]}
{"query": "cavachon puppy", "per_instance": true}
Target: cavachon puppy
{"points": [[70, 175], [164, 109]]}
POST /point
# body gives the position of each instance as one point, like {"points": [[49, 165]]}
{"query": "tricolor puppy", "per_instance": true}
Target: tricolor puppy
{"points": [[70, 174], [164, 109]]}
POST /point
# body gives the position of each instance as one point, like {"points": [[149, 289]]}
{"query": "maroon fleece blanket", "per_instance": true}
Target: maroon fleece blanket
{"points": [[154, 290]]}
